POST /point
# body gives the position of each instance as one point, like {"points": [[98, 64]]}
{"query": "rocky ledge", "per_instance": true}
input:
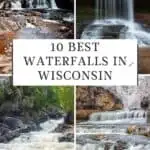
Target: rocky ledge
{"points": [[139, 130], [12, 127], [30, 24], [95, 99]]}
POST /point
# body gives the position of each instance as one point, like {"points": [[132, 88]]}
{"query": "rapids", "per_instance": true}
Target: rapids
{"points": [[41, 140]]}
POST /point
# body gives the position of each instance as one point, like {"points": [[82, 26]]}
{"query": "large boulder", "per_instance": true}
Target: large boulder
{"points": [[13, 123], [69, 118], [67, 138], [3, 139], [11, 135], [145, 103], [4, 131], [54, 113]]}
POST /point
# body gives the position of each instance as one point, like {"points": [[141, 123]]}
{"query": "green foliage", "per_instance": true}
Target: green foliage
{"points": [[37, 98], [65, 97]]}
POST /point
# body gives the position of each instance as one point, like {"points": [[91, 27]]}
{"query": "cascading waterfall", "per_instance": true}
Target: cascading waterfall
{"points": [[122, 9], [120, 14], [39, 4], [133, 116], [117, 121], [130, 10], [42, 4], [45, 4], [53, 4]]}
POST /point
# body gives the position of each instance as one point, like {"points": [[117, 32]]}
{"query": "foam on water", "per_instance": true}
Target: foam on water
{"points": [[102, 147], [129, 31], [42, 140], [116, 13]]}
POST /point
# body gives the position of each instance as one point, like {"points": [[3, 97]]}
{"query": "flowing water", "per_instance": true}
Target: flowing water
{"points": [[38, 4], [42, 140], [110, 14], [114, 9], [43, 4], [114, 124]]}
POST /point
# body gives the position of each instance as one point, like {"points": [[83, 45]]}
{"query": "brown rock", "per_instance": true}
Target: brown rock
{"points": [[131, 129], [84, 114], [97, 98], [105, 101], [5, 40], [144, 60]]}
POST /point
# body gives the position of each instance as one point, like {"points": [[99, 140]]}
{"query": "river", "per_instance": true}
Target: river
{"points": [[41, 140]]}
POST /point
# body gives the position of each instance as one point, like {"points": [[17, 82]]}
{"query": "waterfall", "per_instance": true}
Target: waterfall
{"points": [[121, 116], [53, 4], [39, 4], [31, 4], [130, 11], [46, 4], [114, 9], [42, 4], [16, 5]]}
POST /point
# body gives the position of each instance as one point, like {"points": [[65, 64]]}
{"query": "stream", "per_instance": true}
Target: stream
{"points": [[111, 130], [44, 139]]}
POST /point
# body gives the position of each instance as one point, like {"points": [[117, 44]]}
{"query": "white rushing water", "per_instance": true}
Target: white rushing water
{"points": [[39, 4], [116, 13], [123, 116], [119, 120], [16, 5], [44, 4], [106, 9], [42, 140], [102, 147]]}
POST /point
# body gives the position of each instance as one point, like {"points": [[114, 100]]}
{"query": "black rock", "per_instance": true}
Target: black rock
{"points": [[120, 145], [3, 139], [145, 103], [4, 131], [67, 138], [3, 125], [10, 136], [61, 128], [69, 119], [54, 113], [13, 123]]}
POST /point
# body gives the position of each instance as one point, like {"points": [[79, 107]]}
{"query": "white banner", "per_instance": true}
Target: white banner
{"points": [[74, 62]]}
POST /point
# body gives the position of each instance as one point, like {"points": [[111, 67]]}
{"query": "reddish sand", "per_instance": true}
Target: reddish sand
{"points": [[5, 41]]}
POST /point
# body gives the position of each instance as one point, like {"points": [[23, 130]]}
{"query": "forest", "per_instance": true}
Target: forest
{"points": [[34, 103]]}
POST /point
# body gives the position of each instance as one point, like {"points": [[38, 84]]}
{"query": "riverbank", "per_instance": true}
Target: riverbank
{"points": [[44, 138], [32, 109], [12, 127]]}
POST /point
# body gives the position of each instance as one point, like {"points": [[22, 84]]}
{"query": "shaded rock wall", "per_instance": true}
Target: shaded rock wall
{"points": [[95, 99], [133, 96]]}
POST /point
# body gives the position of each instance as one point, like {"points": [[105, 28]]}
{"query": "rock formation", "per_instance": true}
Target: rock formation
{"points": [[95, 99], [29, 25]]}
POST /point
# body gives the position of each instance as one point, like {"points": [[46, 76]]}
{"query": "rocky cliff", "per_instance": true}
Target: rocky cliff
{"points": [[95, 99]]}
